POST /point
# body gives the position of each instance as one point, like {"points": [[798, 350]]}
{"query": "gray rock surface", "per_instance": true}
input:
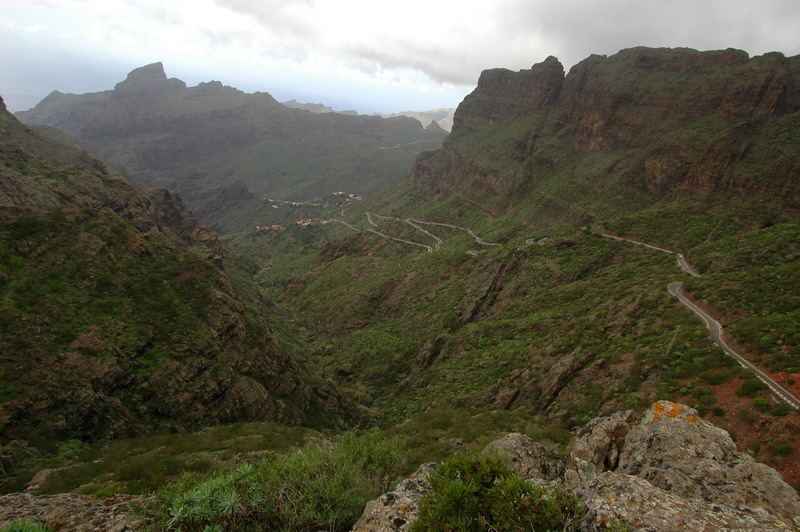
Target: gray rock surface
{"points": [[68, 511], [526, 457], [596, 447], [616, 499], [673, 449], [396, 510]]}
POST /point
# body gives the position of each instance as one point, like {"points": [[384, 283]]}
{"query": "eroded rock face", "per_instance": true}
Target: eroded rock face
{"points": [[673, 449], [670, 121], [502, 92], [596, 447], [397, 509]]}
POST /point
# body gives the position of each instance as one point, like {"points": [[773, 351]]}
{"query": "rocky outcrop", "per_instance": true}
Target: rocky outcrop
{"points": [[635, 504], [597, 446], [67, 511], [396, 510], [673, 449], [670, 470], [667, 122], [502, 93], [528, 458]]}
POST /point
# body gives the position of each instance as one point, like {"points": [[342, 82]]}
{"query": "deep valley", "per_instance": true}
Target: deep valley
{"points": [[605, 259]]}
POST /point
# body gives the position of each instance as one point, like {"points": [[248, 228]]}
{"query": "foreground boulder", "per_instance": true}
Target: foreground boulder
{"points": [[529, 459], [668, 471], [397, 510]]}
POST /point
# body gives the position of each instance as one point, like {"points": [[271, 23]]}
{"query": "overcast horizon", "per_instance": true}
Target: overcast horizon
{"points": [[353, 54]]}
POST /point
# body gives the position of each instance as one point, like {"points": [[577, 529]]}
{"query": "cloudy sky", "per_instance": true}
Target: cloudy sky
{"points": [[369, 55]]}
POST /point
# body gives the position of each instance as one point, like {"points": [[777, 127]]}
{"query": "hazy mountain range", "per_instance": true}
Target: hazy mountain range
{"points": [[209, 141]]}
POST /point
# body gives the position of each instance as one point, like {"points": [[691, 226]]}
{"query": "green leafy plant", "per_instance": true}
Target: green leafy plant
{"points": [[750, 387], [472, 492], [761, 404], [322, 486], [25, 526]]}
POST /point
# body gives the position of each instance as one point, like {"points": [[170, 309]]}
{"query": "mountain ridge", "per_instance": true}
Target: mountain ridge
{"points": [[644, 109], [199, 140]]}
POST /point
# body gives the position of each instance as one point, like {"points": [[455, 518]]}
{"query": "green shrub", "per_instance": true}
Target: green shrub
{"points": [[322, 486], [619, 525], [783, 448], [780, 410], [716, 376], [747, 416], [477, 493], [750, 387], [25, 526], [761, 404]]}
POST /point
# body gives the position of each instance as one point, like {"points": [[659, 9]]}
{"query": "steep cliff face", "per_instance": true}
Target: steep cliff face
{"points": [[199, 140], [114, 318], [502, 93], [660, 121]]}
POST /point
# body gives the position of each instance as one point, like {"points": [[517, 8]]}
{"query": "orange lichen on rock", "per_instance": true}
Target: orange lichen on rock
{"points": [[671, 410], [675, 410], [659, 408]]}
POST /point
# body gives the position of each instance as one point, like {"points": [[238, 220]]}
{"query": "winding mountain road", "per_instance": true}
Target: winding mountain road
{"points": [[451, 226], [422, 230], [417, 225], [384, 235], [714, 327], [684, 265]]}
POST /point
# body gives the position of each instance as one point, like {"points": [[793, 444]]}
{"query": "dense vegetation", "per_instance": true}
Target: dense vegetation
{"points": [[474, 493], [322, 486], [117, 317]]}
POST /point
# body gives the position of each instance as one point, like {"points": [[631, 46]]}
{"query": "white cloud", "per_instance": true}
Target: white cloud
{"points": [[423, 46]]}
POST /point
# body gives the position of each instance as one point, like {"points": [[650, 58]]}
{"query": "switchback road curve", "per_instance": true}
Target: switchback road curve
{"points": [[714, 327]]}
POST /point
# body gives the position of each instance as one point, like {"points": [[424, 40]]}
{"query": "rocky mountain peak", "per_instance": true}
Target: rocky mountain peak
{"points": [[522, 93], [434, 126], [147, 72], [538, 86], [142, 81]]}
